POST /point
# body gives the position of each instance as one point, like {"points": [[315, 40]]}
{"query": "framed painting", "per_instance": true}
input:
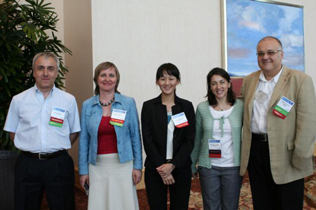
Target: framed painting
{"points": [[245, 22]]}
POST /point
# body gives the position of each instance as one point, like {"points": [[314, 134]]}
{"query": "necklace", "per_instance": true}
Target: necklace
{"points": [[224, 108], [108, 103]]}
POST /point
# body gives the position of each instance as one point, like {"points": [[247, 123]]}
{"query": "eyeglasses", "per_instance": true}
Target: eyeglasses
{"points": [[270, 53]]}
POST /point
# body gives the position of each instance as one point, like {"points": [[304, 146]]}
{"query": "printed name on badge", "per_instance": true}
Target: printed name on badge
{"points": [[118, 117], [215, 148], [283, 108], [57, 117], [180, 120]]}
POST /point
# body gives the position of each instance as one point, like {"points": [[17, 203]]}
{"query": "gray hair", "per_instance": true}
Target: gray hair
{"points": [[46, 55]]}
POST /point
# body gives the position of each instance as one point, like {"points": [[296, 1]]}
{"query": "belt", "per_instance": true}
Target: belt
{"points": [[259, 137], [43, 156], [168, 160]]}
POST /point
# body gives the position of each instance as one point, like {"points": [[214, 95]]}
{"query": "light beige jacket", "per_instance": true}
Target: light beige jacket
{"points": [[291, 140]]}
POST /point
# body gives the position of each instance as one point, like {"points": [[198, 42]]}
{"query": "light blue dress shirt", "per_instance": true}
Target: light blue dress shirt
{"points": [[129, 144], [29, 115]]}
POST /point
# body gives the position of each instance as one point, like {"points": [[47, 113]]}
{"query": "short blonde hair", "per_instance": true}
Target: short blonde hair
{"points": [[98, 69]]}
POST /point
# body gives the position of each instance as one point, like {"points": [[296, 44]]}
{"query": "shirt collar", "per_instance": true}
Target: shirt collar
{"points": [[275, 79], [38, 90], [159, 100]]}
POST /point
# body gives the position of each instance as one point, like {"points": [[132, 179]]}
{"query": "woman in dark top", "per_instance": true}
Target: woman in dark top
{"points": [[168, 128]]}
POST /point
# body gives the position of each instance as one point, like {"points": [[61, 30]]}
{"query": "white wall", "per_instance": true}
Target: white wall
{"points": [[139, 36]]}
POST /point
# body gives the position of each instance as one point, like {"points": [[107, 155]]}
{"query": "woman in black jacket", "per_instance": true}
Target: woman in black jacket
{"points": [[168, 128]]}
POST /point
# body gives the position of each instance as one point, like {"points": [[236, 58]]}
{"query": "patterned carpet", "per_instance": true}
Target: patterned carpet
{"points": [[245, 202]]}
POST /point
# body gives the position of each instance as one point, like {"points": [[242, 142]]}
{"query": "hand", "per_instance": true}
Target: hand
{"points": [[137, 176], [165, 169], [195, 175], [12, 135], [84, 179], [169, 180]]}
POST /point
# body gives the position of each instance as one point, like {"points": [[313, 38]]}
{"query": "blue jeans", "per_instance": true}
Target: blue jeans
{"points": [[220, 187]]}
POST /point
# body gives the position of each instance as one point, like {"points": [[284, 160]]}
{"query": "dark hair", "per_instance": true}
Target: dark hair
{"points": [[231, 97], [271, 37], [170, 69], [104, 66]]}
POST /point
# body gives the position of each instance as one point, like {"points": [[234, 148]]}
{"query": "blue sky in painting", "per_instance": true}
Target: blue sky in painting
{"points": [[249, 21]]}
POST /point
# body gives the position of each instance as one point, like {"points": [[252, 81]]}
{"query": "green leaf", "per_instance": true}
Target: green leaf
{"points": [[4, 75]]}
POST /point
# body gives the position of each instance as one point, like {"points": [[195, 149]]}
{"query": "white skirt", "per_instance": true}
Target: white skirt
{"points": [[111, 184]]}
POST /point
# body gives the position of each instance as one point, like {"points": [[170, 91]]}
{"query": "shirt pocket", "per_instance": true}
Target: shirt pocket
{"points": [[62, 130]]}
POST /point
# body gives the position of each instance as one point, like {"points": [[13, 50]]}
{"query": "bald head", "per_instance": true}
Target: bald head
{"points": [[272, 37]]}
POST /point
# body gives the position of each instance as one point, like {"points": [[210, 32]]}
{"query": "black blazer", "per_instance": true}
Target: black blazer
{"points": [[154, 129]]}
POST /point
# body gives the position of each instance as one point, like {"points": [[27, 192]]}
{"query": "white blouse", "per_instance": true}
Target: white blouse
{"points": [[169, 151], [227, 158]]}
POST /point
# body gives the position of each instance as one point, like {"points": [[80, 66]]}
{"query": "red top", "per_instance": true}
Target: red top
{"points": [[107, 142]]}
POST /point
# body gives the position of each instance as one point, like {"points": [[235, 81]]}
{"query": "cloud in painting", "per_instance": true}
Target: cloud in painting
{"points": [[250, 19], [293, 60], [238, 52], [291, 40], [290, 15], [246, 16]]}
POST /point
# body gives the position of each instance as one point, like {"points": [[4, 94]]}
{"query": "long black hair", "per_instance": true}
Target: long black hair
{"points": [[231, 97]]}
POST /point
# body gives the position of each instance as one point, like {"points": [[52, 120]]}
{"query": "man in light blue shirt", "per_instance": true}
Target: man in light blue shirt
{"points": [[43, 122]]}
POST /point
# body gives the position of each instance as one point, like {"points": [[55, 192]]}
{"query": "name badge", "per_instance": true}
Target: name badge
{"points": [[118, 117], [283, 107], [215, 148], [57, 117], [180, 120], [261, 96]]}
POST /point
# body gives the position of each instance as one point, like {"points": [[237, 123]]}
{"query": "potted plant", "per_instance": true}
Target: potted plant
{"points": [[25, 29]]}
